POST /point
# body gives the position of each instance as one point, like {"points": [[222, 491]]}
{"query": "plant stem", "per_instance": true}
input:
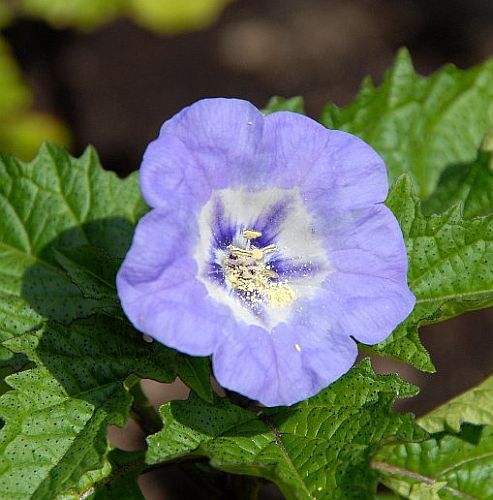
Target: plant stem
{"points": [[142, 410]]}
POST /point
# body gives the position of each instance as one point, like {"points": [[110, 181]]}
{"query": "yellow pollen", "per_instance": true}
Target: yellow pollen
{"points": [[279, 294], [251, 234], [257, 253], [246, 272]]}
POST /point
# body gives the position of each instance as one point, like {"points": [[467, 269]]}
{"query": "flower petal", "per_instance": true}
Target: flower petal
{"points": [[213, 139], [158, 289], [335, 167], [282, 368], [367, 241], [367, 307], [368, 290], [170, 172]]}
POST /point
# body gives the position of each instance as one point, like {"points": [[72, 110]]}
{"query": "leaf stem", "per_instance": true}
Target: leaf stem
{"points": [[142, 410], [392, 470]]}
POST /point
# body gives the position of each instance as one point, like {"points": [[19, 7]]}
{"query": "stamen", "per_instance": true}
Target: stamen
{"points": [[239, 252], [246, 272], [251, 234], [254, 253], [269, 249]]}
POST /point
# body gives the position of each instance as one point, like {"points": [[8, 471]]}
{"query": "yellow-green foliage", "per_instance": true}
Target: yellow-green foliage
{"points": [[163, 16], [21, 129]]}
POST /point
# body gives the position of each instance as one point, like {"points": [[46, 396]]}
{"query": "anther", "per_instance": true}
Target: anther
{"points": [[257, 253], [251, 234]]}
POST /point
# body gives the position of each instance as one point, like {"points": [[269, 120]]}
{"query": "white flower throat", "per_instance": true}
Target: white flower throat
{"points": [[247, 272], [259, 254]]}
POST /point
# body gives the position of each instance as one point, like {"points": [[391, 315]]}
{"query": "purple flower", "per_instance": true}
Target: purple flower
{"points": [[267, 246]]}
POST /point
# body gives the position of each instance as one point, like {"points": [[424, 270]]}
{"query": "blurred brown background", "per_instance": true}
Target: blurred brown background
{"points": [[115, 86]]}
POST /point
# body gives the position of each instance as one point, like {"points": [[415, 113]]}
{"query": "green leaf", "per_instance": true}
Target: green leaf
{"points": [[427, 490], [67, 270], [316, 448], [82, 14], [93, 271], [457, 460], [170, 16], [57, 203], [421, 125], [15, 95], [276, 103], [57, 413], [450, 269], [65, 224], [83, 487], [447, 466], [196, 373], [162, 16], [474, 406], [471, 185], [23, 133], [125, 470]]}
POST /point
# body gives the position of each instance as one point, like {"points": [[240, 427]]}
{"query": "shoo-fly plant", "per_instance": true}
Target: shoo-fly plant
{"points": [[268, 246], [272, 248]]}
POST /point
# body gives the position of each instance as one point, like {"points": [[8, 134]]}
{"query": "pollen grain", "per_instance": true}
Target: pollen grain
{"points": [[247, 272]]}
